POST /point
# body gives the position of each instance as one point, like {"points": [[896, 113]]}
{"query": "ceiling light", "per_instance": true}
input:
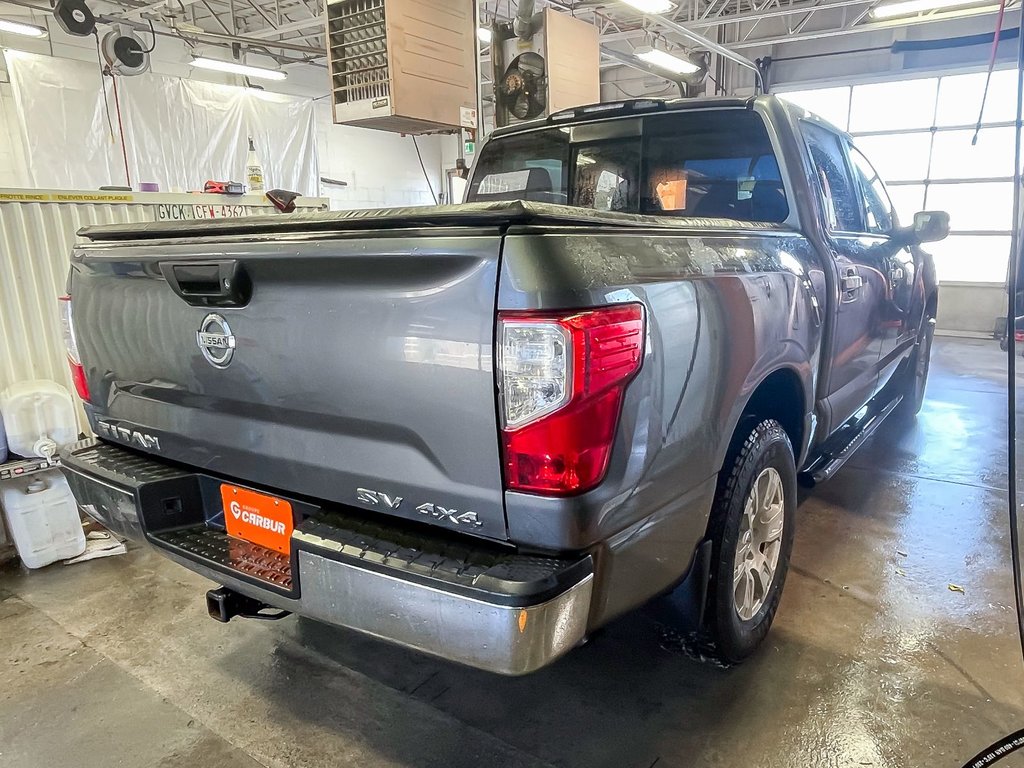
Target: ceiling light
{"points": [[17, 28], [238, 69], [483, 34], [651, 6], [908, 7], [664, 60]]}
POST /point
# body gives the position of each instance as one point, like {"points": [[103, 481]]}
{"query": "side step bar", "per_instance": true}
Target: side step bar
{"points": [[846, 442]]}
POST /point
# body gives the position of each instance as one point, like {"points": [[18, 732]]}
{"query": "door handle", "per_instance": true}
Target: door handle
{"points": [[851, 281], [209, 284]]}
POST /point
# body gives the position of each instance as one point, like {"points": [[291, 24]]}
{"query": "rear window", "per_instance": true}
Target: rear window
{"points": [[714, 164], [530, 167]]}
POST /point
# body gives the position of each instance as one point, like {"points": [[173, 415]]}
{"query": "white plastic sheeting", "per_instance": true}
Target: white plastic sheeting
{"points": [[37, 233], [178, 133]]}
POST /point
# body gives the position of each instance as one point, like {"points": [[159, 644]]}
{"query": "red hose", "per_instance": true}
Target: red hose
{"points": [[991, 66], [120, 129]]}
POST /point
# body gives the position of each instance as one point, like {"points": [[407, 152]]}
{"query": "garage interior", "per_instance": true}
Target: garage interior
{"points": [[896, 643]]}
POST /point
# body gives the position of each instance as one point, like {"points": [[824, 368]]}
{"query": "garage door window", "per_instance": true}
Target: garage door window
{"points": [[917, 134]]}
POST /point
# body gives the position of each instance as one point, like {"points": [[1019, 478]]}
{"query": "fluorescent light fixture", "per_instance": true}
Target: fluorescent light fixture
{"points": [[17, 28], [483, 34], [664, 60], [651, 6], [908, 7], [238, 69]]}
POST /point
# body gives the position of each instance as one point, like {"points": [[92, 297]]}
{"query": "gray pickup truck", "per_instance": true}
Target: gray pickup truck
{"points": [[485, 430]]}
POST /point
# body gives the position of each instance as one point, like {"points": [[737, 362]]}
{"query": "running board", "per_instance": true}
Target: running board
{"points": [[830, 460]]}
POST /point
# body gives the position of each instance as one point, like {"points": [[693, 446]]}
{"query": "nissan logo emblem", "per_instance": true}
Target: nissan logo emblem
{"points": [[215, 340]]}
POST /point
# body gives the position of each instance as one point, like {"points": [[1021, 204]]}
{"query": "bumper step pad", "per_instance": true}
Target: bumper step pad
{"points": [[216, 547]]}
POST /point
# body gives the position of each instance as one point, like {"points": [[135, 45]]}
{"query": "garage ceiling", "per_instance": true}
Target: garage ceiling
{"points": [[292, 30]]}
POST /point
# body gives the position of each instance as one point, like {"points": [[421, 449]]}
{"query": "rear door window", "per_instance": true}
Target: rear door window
{"points": [[838, 192], [878, 211]]}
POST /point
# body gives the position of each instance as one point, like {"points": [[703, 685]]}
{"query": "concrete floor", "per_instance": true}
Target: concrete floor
{"points": [[873, 661]]}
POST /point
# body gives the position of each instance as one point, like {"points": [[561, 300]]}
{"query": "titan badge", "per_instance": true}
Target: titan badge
{"points": [[127, 435], [216, 341], [436, 511]]}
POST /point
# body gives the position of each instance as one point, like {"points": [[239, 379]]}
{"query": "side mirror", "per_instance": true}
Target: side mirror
{"points": [[928, 227]]}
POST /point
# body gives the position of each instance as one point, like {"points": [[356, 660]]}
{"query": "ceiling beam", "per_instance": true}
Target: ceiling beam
{"points": [[261, 12], [872, 27], [292, 27], [788, 10], [137, 13]]}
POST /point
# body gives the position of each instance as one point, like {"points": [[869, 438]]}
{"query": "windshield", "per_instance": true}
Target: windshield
{"points": [[708, 163]]}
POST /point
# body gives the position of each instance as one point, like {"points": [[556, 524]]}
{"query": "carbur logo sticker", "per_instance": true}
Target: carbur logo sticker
{"points": [[255, 518]]}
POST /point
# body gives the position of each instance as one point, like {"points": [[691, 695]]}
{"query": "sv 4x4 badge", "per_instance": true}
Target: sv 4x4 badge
{"points": [[436, 511]]}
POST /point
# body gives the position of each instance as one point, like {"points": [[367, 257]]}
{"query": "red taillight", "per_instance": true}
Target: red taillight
{"points": [[71, 344], [78, 377], [562, 379], [1018, 335]]}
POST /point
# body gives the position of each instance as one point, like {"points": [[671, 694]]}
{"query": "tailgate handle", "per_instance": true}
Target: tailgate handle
{"points": [[209, 284]]}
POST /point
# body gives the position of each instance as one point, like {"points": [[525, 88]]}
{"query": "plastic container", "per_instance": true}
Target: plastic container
{"points": [[39, 417], [254, 170], [42, 518]]}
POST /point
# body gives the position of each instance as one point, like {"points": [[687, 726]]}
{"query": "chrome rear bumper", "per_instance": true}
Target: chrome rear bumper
{"points": [[484, 607]]}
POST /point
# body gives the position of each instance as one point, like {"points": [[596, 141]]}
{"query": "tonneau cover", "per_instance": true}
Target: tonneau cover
{"points": [[466, 214]]}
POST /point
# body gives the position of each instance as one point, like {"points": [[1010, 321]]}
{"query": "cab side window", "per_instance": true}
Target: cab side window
{"points": [[839, 193], [878, 210]]}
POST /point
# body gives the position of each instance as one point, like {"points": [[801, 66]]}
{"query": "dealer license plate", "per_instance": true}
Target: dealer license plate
{"points": [[257, 517]]}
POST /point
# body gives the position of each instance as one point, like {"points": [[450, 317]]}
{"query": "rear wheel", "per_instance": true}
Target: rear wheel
{"points": [[752, 537], [916, 376]]}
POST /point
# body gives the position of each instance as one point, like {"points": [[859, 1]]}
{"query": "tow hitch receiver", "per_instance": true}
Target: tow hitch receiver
{"points": [[224, 604]]}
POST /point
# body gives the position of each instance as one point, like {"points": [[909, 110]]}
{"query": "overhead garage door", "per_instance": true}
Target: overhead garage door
{"points": [[918, 134]]}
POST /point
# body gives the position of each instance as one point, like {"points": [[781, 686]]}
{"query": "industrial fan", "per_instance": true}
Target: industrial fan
{"points": [[542, 63], [523, 91], [124, 52]]}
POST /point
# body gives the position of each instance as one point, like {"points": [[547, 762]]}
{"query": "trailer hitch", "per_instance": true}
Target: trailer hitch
{"points": [[224, 604]]}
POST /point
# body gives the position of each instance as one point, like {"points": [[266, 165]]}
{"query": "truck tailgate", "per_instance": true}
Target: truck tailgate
{"points": [[360, 366]]}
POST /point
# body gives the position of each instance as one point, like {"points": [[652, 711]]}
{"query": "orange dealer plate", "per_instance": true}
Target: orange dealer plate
{"points": [[257, 517]]}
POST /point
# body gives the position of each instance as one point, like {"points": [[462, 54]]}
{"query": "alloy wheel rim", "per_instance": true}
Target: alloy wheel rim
{"points": [[759, 543]]}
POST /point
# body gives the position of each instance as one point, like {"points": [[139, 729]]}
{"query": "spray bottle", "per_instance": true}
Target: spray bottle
{"points": [[254, 170]]}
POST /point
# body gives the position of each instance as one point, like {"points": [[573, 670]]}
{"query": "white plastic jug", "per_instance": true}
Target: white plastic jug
{"points": [[42, 518], [39, 417]]}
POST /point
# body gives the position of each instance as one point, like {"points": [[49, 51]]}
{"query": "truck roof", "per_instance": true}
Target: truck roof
{"points": [[626, 107], [609, 109]]}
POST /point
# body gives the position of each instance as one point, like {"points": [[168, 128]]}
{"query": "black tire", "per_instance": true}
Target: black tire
{"points": [[758, 446], [915, 377]]}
